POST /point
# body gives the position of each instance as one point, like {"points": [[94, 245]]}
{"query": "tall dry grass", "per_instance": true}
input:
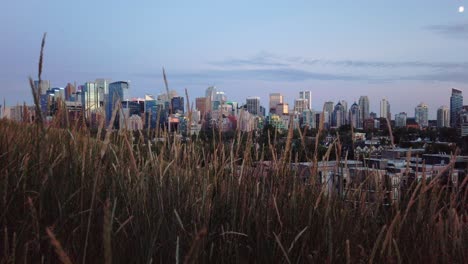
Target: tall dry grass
{"points": [[172, 199]]}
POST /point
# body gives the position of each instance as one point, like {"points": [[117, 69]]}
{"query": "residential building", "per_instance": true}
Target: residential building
{"points": [[300, 105], [282, 109], [421, 115], [344, 103], [385, 109], [328, 109], [220, 99], [400, 119], [339, 116], [308, 96], [364, 108], [308, 118], [443, 116], [253, 105], [464, 123], [354, 117], [456, 105], [275, 99], [210, 96]]}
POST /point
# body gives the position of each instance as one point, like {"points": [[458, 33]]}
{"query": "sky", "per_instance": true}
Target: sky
{"points": [[405, 51]]}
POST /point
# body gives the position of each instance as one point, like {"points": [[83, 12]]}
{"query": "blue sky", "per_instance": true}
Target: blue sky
{"points": [[406, 51]]}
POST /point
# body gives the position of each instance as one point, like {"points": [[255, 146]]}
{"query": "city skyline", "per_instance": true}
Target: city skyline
{"points": [[209, 44], [83, 88]]}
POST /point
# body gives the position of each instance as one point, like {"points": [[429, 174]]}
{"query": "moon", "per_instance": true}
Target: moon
{"points": [[461, 9]]}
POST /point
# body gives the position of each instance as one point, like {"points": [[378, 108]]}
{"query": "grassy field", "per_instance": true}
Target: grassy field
{"points": [[71, 197]]}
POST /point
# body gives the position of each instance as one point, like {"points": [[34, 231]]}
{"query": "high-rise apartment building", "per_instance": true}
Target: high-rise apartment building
{"points": [[308, 118], [463, 114], [421, 115], [385, 109], [344, 103], [339, 116], [328, 109], [456, 105], [300, 105], [354, 117], [282, 109], [400, 119], [275, 100], [210, 96], [364, 108], [253, 105], [308, 96], [443, 116], [220, 100]]}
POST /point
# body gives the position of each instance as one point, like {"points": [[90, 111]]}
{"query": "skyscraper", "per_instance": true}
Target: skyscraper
{"points": [[463, 115], [400, 119], [282, 109], [345, 109], [90, 99], [364, 108], [389, 112], [45, 86], [69, 91], [118, 91], [385, 109], [210, 96], [339, 116], [421, 115], [200, 105], [262, 111], [177, 104], [154, 112], [443, 116], [456, 105], [354, 116], [219, 100], [300, 105], [308, 96], [308, 118], [328, 108], [102, 86], [275, 100], [253, 105]]}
